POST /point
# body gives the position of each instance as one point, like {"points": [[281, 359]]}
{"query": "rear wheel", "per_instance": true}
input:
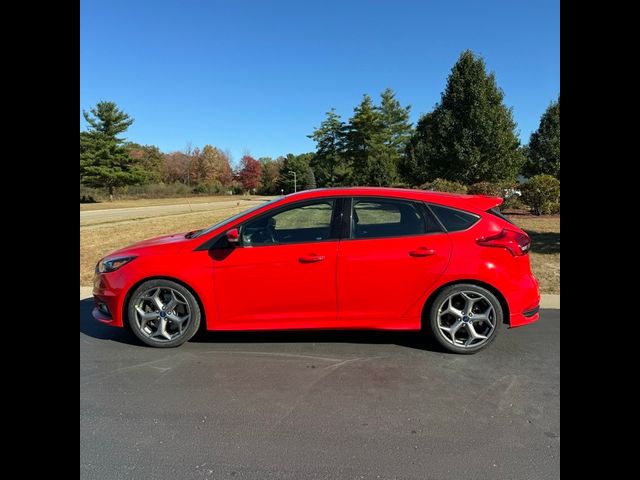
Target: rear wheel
{"points": [[163, 313], [465, 318]]}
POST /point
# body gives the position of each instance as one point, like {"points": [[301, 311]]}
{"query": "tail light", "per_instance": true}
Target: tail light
{"points": [[517, 243]]}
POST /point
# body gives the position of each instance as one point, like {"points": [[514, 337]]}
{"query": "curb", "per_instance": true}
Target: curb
{"points": [[546, 300], [85, 292]]}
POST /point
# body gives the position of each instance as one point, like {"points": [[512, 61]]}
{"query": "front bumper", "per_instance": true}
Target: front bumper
{"points": [[108, 299]]}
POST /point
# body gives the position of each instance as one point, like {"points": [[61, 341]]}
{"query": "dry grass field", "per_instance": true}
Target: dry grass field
{"points": [[98, 240]]}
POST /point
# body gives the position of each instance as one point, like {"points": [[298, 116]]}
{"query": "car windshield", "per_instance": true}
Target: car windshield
{"points": [[231, 219]]}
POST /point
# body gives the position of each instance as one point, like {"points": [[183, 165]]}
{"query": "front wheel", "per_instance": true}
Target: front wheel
{"points": [[163, 313], [465, 318]]}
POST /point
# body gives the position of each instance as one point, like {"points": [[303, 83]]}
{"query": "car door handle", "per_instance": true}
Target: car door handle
{"points": [[311, 258], [422, 252]]}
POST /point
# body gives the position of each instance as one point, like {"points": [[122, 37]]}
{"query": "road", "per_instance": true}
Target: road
{"points": [[319, 405], [92, 217]]}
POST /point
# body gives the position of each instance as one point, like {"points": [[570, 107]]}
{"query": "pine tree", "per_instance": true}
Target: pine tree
{"points": [[469, 137], [362, 142], [330, 164], [304, 178], [543, 152], [148, 158], [391, 142], [104, 158]]}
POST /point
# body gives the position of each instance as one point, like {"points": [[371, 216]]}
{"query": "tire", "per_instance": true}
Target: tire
{"points": [[452, 326], [163, 313]]}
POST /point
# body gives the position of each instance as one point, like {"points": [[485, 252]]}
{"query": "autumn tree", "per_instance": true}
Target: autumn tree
{"points": [[175, 167], [249, 173], [470, 135], [104, 159], [206, 168], [270, 169], [220, 166]]}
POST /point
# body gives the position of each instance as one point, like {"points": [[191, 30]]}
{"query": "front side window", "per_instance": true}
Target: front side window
{"points": [[380, 218], [306, 223]]}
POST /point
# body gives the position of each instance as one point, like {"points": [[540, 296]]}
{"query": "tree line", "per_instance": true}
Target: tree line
{"points": [[469, 137]]}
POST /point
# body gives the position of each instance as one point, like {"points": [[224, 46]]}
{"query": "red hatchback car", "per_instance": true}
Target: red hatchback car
{"points": [[338, 258]]}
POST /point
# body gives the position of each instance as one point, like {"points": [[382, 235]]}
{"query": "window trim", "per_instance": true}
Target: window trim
{"points": [[478, 217], [341, 219], [334, 226], [419, 205]]}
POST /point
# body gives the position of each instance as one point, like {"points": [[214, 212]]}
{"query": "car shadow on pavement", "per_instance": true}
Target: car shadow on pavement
{"points": [[416, 340]]}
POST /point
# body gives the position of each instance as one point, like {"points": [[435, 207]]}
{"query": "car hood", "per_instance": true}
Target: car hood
{"points": [[177, 239]]}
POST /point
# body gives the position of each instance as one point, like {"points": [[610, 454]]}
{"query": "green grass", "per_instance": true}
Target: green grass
{"points": [[312, 216]]}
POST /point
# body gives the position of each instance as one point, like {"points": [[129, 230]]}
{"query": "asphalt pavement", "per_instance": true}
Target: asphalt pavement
{"points": [[319, 405]]}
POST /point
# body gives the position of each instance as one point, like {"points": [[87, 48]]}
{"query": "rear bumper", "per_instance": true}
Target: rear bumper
{"points": [[524, 303], [521, 319]]}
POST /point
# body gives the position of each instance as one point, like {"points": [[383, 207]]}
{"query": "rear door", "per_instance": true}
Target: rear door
{"points": [[394, 252]]}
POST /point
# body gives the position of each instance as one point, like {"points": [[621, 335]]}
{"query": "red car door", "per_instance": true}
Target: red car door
{"points": [[283, 273], [395, 251]]}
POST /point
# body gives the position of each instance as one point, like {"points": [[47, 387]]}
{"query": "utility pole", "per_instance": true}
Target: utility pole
{"points": [[295, 181], [188, 153]]}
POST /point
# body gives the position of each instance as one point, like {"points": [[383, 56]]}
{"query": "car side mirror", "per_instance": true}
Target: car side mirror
{"points": [[233, 236]]}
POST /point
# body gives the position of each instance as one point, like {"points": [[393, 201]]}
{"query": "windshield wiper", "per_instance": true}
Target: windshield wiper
{"points": [[192, 233]]}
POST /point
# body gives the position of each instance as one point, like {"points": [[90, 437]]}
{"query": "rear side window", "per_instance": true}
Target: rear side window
{"points": [[454, 220], [379, 218]]}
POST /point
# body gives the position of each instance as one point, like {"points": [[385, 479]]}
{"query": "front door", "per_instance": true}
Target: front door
{"points": [[283, 273]]}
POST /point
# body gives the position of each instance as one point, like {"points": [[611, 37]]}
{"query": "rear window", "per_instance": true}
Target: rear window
{"points": [[454, 220], [496, 211]]}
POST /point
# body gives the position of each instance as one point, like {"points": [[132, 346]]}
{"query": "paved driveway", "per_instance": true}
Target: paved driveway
{"points": [[319, 405]]}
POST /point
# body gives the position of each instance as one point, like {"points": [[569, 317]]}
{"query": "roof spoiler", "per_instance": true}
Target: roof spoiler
{"points": [[485, 202]]}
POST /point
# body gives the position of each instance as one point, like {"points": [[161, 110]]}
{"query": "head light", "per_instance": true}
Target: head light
{"points": [[112, 264]]}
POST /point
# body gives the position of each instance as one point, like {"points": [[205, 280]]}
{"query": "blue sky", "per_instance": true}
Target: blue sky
{"points": [[258, 76]]}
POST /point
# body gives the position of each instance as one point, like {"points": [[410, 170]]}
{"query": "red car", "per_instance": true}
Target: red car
{"points": [[338, 258]]}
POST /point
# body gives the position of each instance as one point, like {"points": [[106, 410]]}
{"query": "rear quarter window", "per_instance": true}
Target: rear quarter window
{"points": [[496, 211], [454, 220]]}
